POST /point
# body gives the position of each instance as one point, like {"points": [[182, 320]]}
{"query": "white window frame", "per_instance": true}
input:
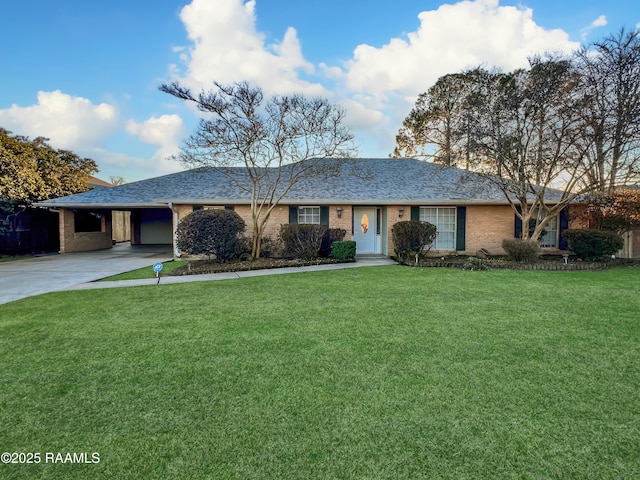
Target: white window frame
{"points": [[438, 242], [309, 215], [551, 233]]}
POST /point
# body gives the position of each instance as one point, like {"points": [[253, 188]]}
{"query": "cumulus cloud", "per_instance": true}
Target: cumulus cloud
{"points": [[69, 122], [449, 39], [601, 21], [164, 132], [227, 47], [379, 84], [79, 125]]}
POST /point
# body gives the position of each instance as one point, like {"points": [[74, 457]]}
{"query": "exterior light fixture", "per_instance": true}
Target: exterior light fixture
{"points": [[401, 212], [339, 210]]}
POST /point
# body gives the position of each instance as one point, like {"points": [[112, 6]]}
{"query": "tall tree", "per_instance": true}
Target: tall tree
{"points": [[276, 142], [521, 129], [531, 134], [610, 73], [442, 126], [32, 170]]}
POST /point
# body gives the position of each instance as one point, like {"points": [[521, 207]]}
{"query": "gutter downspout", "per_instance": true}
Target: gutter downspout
{"points": [[174, 230]]}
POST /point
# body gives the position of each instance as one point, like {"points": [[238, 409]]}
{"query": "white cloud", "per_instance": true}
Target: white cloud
{"points": [[77, 124], [131, 167], [69, 122], [601, 21], [164, 132], [378, 85], [449, 39], [228, 48]]}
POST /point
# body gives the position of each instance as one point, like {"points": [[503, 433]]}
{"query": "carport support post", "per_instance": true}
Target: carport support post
{"points": [[174, 229]]}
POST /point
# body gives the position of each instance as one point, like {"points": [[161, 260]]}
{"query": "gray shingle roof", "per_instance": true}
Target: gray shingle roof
{"points": [[361, 181]]}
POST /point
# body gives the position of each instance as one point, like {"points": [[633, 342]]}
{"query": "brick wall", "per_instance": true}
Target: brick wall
{"points": [[487, 226], [72, 241], [393, 217]]}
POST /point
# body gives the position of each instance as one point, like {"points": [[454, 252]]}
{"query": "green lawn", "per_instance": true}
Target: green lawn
{"points": [[366, 373], [146, 272], [14, 258]]}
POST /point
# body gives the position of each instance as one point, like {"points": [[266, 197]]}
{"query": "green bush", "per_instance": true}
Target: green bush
{"points": [[590, 245], [301, 240], [344, 251], [412, 238], [211, 232], [330, 236], [521, 250], [269, 247]]}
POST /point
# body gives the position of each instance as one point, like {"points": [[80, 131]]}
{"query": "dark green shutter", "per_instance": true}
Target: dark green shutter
{"points": [[293, 215], [564, 224], [324, 215], [197, 207], [461, 228], [517, 232], [229, 207], [415, 214]]}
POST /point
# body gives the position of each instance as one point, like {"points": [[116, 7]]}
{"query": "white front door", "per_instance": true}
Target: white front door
{"points": [[364, 229]]}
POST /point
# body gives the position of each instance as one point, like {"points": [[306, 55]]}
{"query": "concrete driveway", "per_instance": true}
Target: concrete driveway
{"points": [[50, 273]]}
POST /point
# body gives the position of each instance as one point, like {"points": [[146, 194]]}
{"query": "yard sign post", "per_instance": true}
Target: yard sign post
{"points": [[157, 267]]}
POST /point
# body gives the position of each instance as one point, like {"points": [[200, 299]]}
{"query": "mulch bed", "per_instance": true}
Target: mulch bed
{"points": [[198, 267], [547, 263]]}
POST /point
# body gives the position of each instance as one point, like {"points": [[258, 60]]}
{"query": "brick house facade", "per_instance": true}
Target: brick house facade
{"points": [[367, 199]]}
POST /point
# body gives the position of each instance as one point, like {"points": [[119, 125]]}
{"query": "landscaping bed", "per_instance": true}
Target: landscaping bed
{"points": [[199, 267], [546, 262]]}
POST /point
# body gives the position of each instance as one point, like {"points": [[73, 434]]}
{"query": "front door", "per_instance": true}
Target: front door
{"points": [[365, 229]]}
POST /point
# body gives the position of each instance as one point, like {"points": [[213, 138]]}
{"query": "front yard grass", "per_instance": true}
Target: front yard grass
{"points": [[377, 373], [146, 272]]}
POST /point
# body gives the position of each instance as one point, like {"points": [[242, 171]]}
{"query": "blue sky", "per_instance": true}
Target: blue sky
{"points": [[85, 74]]}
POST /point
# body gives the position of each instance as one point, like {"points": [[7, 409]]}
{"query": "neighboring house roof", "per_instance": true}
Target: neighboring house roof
{"points": [[361, 181], [96, 182]]}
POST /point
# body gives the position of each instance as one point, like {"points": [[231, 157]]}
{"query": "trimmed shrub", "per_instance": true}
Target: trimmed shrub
{"points": [[330, 236], [412, 238], [590, 245], [269, 248], [521, 250], [301, 240], [212, 233], [344, 251]]}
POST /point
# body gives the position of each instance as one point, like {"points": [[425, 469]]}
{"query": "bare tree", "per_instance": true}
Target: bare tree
{"points": [[521, 129], [610, 73], [531, 133], [117, 180], [275, 142]]}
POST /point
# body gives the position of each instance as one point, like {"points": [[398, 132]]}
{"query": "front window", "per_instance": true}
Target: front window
{"points": [[444, 218], [549, 238], [309, 215]]}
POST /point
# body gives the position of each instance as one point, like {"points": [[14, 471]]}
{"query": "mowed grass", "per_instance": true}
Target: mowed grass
{"points": [[146, 272], [367, 373]]}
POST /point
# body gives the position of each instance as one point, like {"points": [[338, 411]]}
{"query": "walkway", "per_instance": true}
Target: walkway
{"points": [[360, 262]]}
